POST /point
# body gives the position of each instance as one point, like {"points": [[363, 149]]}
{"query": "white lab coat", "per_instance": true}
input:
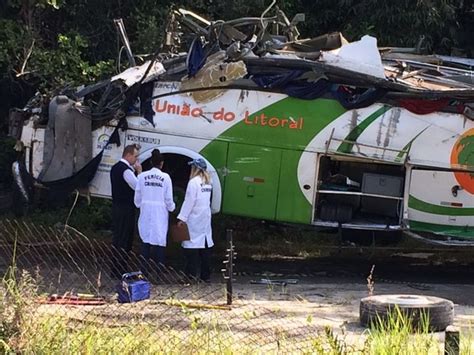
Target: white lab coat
{"points": [[154, 197], [196, 213]]}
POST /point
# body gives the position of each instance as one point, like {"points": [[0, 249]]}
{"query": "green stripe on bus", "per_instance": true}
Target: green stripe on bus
{"points": [[346, 147], [423, 206], [315, 115], [406, 149], [458, 231]]}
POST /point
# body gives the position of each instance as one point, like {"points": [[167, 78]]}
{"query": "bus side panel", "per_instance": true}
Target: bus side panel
{"points": [[216, 153], [292, 204], [437, 203], [252, 181]]}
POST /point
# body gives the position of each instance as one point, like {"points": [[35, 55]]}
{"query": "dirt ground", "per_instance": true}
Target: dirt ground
{"points": [[330, 284], [336, 303], [265, 316], [262, 315]]}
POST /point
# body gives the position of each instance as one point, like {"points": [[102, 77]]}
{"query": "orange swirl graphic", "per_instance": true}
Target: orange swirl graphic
{"points": [[462, 155]]}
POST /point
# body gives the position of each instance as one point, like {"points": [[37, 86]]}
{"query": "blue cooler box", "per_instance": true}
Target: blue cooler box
{"points": [[133, 288]]}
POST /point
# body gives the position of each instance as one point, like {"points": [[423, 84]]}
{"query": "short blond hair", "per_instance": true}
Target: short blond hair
{"points": [[130, 149]]}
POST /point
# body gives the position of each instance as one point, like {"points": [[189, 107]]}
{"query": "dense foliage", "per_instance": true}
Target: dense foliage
{"points": [[51, 43]]}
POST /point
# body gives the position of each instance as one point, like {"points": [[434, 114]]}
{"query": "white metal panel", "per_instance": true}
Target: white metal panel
{"points": [[307, 175], [100, 185], [433, 189], [182, 115]]}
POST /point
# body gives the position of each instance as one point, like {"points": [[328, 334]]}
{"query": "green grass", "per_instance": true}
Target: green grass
{"points": [[93, 219], [25, 328], [252, 236], [55, 335], [397, 335]]}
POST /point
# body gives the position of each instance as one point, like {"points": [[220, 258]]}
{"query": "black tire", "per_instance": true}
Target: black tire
{"points": [[440, 311]]}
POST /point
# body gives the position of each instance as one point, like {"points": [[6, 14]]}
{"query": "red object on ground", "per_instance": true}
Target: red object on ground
{"points": [[73, 300]]}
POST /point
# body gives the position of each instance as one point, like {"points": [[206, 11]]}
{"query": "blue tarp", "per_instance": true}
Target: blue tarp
{"points": [[357, 98], [290, 84], [196, 57]]}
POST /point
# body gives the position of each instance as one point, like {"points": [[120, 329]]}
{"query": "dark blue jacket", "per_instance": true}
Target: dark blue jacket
{"points": [[122, 193]]}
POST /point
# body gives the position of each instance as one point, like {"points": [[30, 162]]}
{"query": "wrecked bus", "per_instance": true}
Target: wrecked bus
{"points": [[315, 131]]}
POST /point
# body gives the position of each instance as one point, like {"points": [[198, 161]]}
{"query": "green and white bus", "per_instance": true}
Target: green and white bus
{"points": [[388, 165], [280, 158]]}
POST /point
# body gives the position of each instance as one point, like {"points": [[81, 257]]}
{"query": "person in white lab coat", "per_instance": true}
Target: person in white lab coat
{"points": [[154, 197], [196, 213]]}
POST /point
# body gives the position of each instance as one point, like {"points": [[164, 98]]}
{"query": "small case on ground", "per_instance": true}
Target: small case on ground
{"points": [[133, 288]]}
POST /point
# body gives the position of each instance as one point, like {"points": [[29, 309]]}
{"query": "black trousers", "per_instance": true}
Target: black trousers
{"points": [[123, 228], [198, 263], [154, 253]]}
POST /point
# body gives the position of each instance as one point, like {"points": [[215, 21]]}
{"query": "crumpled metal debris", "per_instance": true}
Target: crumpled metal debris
{"points": [[358, 63], [215, 73], [469, 111], [135, 74]]}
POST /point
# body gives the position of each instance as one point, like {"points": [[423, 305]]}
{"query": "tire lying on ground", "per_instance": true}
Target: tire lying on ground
{"points": [[416, 308]]}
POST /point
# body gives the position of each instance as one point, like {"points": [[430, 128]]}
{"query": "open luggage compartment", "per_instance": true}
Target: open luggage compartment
{"points": [[359, 194]]}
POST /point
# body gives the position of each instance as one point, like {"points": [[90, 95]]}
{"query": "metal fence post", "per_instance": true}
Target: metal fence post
{"points": [[451, 341], [229, 265]]}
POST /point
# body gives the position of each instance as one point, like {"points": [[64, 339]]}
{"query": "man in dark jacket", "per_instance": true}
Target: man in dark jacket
{"points": [[123, 181]]}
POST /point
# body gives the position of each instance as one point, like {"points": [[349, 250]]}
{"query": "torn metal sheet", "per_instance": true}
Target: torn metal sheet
{"points": [[135, 74], [468, 62], [215, 73], [327, 42], [68, 140]]}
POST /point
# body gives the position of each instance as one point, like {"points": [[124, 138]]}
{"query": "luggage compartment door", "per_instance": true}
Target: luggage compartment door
{"points": [[251, 185], [297, 186], [438, 203]]}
